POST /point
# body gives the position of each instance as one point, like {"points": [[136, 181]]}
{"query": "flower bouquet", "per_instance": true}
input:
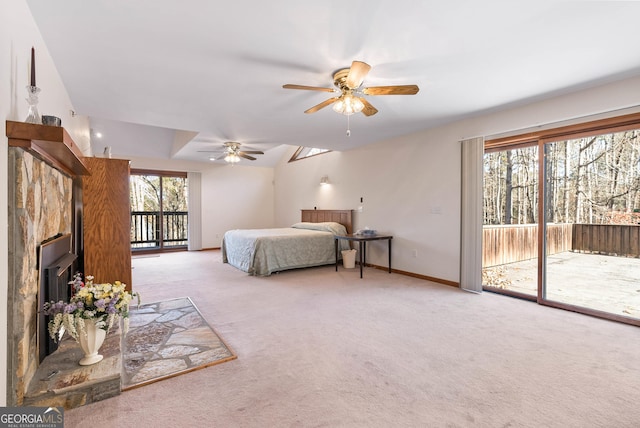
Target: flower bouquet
{"points": [[100, 303]]}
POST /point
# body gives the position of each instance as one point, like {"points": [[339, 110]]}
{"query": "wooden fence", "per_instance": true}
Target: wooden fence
{"points": [[610, 239], [517, 242]]}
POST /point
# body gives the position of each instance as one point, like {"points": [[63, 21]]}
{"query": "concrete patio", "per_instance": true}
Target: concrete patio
{"points": [[605, 283]]}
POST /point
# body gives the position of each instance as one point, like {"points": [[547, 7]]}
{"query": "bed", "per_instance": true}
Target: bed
{"points": [[308, 243]]}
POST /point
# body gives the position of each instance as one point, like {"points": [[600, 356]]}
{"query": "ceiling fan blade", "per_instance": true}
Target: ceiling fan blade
{"points": [[392, 90], [308, 88], [321, 105], [252, 152], [246, 156], [368, 109], [357, 73], [210, 151]]}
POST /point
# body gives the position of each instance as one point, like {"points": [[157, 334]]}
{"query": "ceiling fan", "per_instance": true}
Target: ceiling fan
{"points": [[231, 153], [348, 82]]}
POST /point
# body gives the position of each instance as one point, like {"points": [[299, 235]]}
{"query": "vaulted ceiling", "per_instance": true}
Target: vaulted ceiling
{"points": [[168, 79]]}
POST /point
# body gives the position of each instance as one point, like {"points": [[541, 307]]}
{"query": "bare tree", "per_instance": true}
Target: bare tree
{"points": [[588, 180]]}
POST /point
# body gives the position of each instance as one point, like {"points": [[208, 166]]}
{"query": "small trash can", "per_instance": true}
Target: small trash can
{"points": [[349, 259]]}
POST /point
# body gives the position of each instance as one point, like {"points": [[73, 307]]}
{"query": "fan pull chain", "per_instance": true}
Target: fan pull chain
{"points": [[348, 126]]}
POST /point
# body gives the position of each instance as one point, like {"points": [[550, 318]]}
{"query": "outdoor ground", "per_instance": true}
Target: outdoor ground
{"points": [[606, 283]]}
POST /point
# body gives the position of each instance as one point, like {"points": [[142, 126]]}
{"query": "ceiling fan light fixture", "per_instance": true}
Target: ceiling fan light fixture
{"points": [[347, 104], [232, 158], [232, 153], [348, 82]]}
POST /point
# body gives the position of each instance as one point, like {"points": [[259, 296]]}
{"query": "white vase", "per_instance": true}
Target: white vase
{"points": [[91, 343]]}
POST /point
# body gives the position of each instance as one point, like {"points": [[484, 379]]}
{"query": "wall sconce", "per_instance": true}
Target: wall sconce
{"points": [[324, 180]]}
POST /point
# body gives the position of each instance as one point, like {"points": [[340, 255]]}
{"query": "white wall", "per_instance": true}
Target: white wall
{"points": [[403, 183], [233, 196], [411, 185], [18, 33]]}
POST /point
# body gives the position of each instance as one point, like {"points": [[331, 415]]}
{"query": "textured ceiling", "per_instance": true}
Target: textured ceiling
{"points": [[214, 70]]}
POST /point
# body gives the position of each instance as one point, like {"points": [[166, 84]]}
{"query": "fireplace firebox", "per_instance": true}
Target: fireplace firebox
{"points": [[56, 271]]}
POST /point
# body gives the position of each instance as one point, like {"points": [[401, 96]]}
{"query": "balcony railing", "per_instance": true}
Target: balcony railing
{"points": [[148, 231]]}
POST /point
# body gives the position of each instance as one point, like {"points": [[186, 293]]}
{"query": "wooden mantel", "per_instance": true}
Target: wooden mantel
{"points": [[52, 144]]}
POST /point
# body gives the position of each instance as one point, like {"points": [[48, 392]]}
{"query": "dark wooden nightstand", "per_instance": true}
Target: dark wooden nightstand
{"points": [[362, 243]]}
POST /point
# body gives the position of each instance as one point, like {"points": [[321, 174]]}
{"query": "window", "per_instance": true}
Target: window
{"points": [[306, 152]]}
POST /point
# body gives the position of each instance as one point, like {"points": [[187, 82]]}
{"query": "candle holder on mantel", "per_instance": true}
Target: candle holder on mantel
{"points": [[34, 115]]}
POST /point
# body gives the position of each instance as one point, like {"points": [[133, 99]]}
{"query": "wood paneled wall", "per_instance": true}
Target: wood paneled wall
{"points": [[107, 229]]}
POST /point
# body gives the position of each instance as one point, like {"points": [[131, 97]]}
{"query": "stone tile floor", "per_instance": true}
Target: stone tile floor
{"points": [[166, 339]]}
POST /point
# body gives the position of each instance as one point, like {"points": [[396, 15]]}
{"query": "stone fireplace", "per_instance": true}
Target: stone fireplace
{"points": [[46, 172], [40, 207]]}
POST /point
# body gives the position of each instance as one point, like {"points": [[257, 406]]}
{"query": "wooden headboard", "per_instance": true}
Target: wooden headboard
{"points": [[339, 216]]}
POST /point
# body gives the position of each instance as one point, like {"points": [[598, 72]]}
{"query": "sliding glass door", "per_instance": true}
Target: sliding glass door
{"points": [[592, 223], [562, 217], [159, 217], [510, 231]]}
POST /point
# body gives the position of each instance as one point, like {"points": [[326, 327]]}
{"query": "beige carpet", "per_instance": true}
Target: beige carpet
{"points": [[166, 339], [319, 348]]}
